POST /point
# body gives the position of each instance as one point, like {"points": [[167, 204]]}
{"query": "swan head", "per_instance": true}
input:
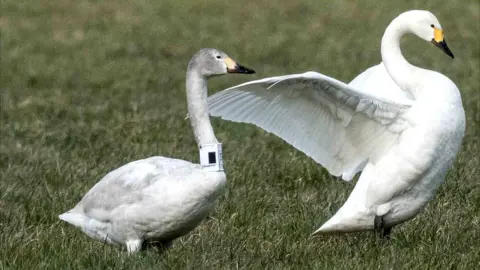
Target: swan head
{"points": [[212, 62], [426, 26]]}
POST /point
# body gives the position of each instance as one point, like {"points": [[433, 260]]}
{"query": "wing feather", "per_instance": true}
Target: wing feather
{"points": [[339, 126]]}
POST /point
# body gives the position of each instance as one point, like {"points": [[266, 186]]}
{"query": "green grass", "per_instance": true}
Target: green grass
{"points": [[87, 86]]}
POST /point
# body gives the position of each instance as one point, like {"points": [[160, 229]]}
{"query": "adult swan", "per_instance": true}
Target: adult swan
{"points": [[399, 124]]}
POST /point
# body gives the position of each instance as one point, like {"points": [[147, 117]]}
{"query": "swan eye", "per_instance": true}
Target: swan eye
{"points": [[432, 25], [218, 57]]}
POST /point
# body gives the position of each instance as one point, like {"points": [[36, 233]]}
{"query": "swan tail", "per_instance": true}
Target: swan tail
{"points": [[347, 222], [74, 218], [92, 227]]}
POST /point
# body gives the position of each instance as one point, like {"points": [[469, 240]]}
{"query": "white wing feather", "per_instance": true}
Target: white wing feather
{"points": [[136, 183], [337, 125]]}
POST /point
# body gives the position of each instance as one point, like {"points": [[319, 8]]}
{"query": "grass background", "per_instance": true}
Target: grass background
{"points": [[87, 86]]}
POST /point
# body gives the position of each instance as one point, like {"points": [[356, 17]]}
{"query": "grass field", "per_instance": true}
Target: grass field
{"points": [[87, 86]]}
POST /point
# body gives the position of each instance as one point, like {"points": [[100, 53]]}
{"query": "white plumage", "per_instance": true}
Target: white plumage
{"points": [[158, 199], [337, 125], [399, 124]]}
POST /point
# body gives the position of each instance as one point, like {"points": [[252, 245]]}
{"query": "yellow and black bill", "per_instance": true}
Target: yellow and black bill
{"points": [[439, 41]]}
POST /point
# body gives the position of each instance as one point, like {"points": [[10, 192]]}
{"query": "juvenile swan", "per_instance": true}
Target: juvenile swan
{"points": [[400, 124], [158, 199]]}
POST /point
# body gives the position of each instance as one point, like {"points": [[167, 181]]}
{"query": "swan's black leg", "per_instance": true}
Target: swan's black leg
{"points": [[379, 227], [166, 244], [160, 246], [386, 232], [378, 224]]}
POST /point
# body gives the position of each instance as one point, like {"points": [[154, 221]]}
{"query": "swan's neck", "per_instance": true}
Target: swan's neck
{"points": [[397, 66], [198, 109], [210, 148]]}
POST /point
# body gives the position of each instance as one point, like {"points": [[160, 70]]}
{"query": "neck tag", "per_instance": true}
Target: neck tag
{"points": [[211, 157]]}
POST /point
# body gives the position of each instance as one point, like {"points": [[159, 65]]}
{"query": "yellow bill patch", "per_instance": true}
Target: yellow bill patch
{"points": [[438, 34], [230, 63]]}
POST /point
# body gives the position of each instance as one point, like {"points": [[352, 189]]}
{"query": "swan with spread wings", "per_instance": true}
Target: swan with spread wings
{"points": [[401, 126]]}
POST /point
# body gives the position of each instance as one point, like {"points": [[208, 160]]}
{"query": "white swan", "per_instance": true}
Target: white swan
{"points": [[399, 124], [158, 199]]}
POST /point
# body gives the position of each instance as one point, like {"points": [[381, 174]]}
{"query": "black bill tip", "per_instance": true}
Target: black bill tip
{"points": [[444, 47], [241, 69]]}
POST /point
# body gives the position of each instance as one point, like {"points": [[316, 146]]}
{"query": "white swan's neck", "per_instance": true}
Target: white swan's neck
{"points": [[402, 72], [210, 148], [198, 109]]}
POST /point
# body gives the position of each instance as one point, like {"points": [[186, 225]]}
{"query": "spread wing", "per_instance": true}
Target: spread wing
{"points": [[339, 126]]}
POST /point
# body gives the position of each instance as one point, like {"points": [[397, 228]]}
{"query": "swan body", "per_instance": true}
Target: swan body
{"points": [[376, 81], [157, 199], [398, 124]]}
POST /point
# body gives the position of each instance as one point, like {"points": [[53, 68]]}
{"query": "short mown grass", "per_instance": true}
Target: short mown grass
{"points": [[87, 86]]}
